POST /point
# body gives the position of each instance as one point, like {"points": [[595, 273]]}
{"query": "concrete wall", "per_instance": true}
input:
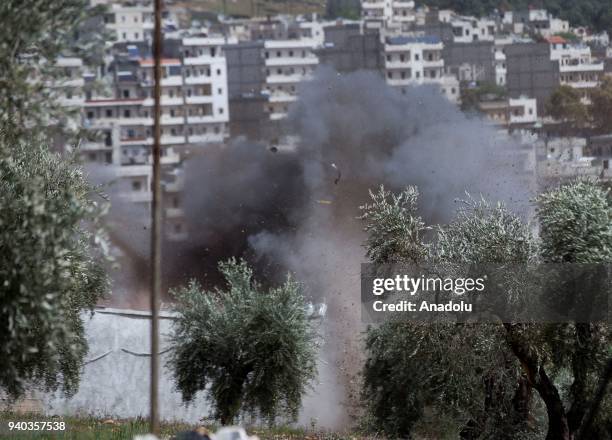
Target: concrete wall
{"points": [[531, 72], [115, 379]]}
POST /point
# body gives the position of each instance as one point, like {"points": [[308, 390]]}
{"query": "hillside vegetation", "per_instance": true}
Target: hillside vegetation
{"points": [[593, 13]]}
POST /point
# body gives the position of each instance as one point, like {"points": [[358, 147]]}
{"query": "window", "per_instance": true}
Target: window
{"points": [[90, 115], [126, 93], [416, 57], [109, 113], [126, 113], [136, 185], [218, 71]]}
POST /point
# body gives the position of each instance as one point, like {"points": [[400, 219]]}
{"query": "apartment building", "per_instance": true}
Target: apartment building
{"points": [[417, 61], [577, 68], [538, 21], [287, 64], [133, 22], [388, 13], [194, 113], [511, 113]]}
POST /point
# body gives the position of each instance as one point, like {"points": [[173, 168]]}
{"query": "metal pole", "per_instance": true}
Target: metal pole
{"points": [[156, 219]]}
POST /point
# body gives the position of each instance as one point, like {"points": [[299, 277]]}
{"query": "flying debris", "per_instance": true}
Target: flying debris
{"points": [[337, 179], [324, 202]]}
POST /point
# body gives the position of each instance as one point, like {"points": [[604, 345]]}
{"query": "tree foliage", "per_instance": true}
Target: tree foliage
{"points": [[565, 104], [472, 97], [601, 106], [489, 389], [52, 250], [251, 350], [34, 34]]}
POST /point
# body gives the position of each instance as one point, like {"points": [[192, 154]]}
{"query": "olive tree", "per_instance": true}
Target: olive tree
{"points": [[52, 255], [575, 223], [250, 350]]}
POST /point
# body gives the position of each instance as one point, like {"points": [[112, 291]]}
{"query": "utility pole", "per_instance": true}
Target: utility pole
{"points": [[156, 219]]}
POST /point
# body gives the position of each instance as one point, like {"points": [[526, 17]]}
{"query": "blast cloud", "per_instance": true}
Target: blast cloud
{"points": [[295, 211], [289, 211]]}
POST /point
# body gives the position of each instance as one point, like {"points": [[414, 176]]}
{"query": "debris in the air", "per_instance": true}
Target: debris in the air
{"points": [[324, 202], [334, 166], [273, 149]]}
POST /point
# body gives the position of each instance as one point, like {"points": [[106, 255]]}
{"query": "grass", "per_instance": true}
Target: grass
{"points": [[86, 428]]}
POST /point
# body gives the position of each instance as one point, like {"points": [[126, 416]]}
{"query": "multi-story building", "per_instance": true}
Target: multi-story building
{"points": [[194, 113], [577, 68], [388, 13], [537, 21], [511, 113], [287, 63], [416, 61]]}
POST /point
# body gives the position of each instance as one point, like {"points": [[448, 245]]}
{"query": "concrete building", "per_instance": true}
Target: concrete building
{"points": [[348, 49], [531, 72], [537, 21], [417, 61], [577, 68], [392, 14], [194, 113], [287, 63], [473, 61], [511, 113]]}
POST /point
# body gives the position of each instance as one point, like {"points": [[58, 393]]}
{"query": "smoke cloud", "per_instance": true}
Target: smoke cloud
{"points": [[294, 209]]}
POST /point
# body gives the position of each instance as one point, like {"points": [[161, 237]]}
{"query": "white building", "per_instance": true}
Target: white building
{"points": [[577, 68], [287, 63], [416, 61], [388, 13], [194, 113]]}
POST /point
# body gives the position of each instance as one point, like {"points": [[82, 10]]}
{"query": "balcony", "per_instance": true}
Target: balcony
{"points": [[282, 97], [171, 81], [287, 79], [199, 60], [206, 138], [138, 196], [200, 79], [434, 63], [586, 67], [165, 100], [202, 119], [200, 99], [372, 5], [292, 61]]}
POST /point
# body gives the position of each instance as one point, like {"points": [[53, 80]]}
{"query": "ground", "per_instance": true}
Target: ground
{"points": [[86, 428]]}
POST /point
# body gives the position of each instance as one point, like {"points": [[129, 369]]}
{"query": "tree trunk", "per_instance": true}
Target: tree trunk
{"points": [[558, 426]]}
